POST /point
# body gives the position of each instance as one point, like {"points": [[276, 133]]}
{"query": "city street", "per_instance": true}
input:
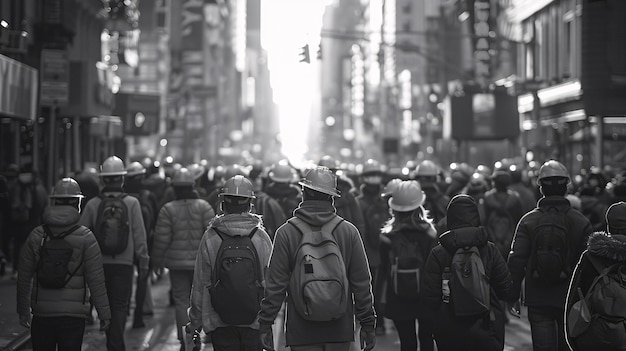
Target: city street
{"points": [[160, 333]]}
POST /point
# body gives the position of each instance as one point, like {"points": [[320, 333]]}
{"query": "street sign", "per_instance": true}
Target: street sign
{"points": [[54, 78]]}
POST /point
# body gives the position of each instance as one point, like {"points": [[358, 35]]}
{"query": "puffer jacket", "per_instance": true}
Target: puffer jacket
{"points": [[178, 232], [73, 299], [298, 330], [465, 333], [606, 249], [537, 293], [202, 312], [137, 247]]}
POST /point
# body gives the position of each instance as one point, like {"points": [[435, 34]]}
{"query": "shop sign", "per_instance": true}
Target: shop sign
{"points": [[55, 84], [18, 89], [482, 39]]}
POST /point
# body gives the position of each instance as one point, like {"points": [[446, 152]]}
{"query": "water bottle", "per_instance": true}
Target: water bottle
{"points": [[445, 285]]}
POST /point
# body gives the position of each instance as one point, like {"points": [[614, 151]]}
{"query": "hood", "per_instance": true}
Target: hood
{"points": [[282, 190], [462, 237], [60, 216], [315, 212], [559, 202], [607, 245], [236, 224], [462, 212]]}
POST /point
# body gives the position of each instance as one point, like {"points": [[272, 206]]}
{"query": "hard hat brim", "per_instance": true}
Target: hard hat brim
{"points": [[118, 173], [406, 208], [78, 196], [236, 195], [134, 173], [321, 190]]}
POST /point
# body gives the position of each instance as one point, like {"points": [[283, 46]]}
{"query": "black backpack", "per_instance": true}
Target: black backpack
{"points": [[112, 226], [406, 261], [55, 254], [550, 254], [469, 284], [236, 287]]}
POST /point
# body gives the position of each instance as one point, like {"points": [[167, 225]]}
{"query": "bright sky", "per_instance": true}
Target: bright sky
{"points": [[286, 26]]}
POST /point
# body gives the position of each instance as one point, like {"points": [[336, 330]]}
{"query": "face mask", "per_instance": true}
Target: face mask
{"points": [[25, 177]]}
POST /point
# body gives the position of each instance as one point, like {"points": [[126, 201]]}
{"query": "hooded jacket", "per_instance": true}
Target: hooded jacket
{"points": [[178, 231], [73, 299], [298, 330], [538, 294], [201, 311], [458, 333], [288, 196], [607, 249]]}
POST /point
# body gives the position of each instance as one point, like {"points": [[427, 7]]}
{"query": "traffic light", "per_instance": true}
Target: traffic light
{"points": [[304, 54]]}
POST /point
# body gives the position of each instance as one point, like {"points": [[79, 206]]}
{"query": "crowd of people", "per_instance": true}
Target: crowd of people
{"points": [[454, 250]]}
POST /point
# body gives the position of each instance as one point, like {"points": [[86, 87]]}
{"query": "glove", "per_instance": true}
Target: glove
{"points": [[515, 308], [267, 336], [105, 324], [25, 320], [368, 338]]}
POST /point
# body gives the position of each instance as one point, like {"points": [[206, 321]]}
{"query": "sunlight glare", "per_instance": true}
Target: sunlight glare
{"points": [[295, 84]]}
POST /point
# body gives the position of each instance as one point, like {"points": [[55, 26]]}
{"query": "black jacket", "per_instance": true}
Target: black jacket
{"points": [[537, 293], [606, 249], [465, 333]]}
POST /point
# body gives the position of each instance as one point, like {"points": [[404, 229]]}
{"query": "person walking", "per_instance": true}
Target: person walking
{"points": [[453, 331], [179, 228], [53, 302], [546, 245], [406, 240], [375, 212], [329, 324], [605, 256], [229, 272], [117, 222]]}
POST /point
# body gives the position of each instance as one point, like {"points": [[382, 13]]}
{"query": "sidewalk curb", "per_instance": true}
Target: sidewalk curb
{"points": [[18, 341]]}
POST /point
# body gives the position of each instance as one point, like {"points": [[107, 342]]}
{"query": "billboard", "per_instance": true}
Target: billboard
{"points": [[484, 116]]}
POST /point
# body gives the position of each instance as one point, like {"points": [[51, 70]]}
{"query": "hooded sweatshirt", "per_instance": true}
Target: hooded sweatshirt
{"points": [[606, 249], [298, 330], [202, 312], [458, 333]]}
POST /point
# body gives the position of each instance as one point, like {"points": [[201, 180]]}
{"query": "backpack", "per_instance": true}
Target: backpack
{"points": [[606, 302], [236, 289], [55, 254], [319, 283], [406, 260], [469, 284], [501, 227], [112, 226], [549, 255]]}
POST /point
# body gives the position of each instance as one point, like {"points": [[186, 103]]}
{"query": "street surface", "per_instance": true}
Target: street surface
{"points": [[160, 331]]}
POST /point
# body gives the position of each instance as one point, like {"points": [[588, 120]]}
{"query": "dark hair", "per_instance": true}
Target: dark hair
{"points": [[310, 194], [235, 204], [553, 189]]}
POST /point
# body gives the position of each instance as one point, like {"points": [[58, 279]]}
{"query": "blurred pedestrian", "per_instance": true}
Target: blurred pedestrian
{"points": [[546, 246], [116, 220], [225, 303], [281, 187], [54, 303], [406, 240], [452, 332], [427, 174], [319, 188]]}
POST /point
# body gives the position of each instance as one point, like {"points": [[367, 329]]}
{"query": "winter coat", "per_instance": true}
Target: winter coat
{"points": [[202, 312], [73, 299], [179, 229], [298, 330], [526, 195], [423, 236], [137, 248], [608, 249], [375, 214], [537, 293], [288, 196], [347, 206], [465, 333], [501, 206]]}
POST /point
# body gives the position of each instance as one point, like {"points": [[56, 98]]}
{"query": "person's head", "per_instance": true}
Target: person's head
{"points": [[319, 183], [390, 187], [329, 162], [281, 172], [501, 180], [112, 172], [426, 172], [407, 197], [135, 172], [462, 212], [372, 173], [237, 195], [616, 218], [66, 192], [183, 182], [553, 179]]}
